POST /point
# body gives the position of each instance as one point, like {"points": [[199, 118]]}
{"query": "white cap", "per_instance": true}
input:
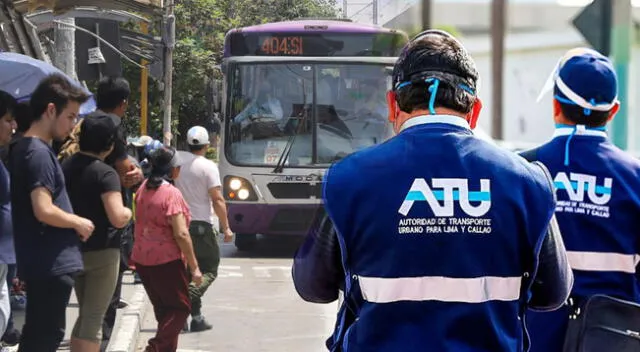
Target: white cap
{"points": [[140, 141], [197, 135]]}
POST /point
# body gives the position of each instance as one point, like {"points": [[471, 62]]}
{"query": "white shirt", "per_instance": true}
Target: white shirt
{"points": [[197, 176]]}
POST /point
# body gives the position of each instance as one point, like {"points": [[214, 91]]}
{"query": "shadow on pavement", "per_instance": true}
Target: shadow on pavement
{"points": [[282, 247]]}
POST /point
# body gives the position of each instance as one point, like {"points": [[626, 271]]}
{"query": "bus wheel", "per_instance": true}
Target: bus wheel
{"points": [[246, 241]]}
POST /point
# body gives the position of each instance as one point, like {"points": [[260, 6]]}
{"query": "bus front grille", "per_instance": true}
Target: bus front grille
{"points": [[303, 190]]}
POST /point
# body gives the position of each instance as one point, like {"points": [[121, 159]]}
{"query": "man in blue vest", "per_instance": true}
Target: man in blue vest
{"points": [[598, 188], [440, 233]]}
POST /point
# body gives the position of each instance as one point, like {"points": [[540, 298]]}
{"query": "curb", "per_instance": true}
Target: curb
{"points": [[125, 337]]}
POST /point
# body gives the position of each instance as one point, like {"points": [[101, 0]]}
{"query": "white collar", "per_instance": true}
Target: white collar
{"points": [[429, 119], [580, 130]]}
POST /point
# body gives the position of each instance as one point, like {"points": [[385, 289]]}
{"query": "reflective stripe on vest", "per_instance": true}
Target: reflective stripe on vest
{"points": [[595, 261], [440, 288]]}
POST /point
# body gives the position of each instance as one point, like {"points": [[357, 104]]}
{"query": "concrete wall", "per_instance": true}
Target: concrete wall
{"points": [[529, 60]]}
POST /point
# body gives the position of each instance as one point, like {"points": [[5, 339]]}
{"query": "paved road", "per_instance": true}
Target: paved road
{"points": [[253, 307]]}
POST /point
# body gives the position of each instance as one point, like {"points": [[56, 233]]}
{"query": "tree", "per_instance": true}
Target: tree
{"points": [[200, 29]]}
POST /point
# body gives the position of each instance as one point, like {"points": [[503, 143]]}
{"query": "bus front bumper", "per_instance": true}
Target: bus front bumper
{"points": [[272, 219]]}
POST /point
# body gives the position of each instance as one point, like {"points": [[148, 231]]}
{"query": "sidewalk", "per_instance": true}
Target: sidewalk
{"points": [[125, 334]]}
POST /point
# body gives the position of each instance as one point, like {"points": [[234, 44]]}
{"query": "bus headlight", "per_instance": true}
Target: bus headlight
{"points": [[238, 188], [243, 194], [235, 184]]}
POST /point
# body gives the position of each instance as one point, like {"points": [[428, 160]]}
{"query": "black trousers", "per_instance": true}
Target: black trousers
{"points": [[13, 269], [45, 319]]}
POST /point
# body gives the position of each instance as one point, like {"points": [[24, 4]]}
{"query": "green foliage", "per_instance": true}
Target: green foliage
{"points": [[200, 29], [212, 154], [451, 29]]}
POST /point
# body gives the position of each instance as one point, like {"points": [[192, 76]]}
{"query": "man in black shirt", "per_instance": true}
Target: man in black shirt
{"points": [[112, 98], [94, 189], [46, 230]]}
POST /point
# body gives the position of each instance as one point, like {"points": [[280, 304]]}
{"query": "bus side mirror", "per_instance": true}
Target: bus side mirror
{"points": [[217, 95], [215, 124], [216, 88]]}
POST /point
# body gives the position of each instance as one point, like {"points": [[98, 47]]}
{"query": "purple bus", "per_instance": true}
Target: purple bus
{"points": [[297, 96]]}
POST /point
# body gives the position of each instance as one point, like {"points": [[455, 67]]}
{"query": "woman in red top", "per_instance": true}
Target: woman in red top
{"points": [[161, 246]]}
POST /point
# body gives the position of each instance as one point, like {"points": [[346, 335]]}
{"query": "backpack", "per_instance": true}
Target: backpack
{"points": [[604, 324]]}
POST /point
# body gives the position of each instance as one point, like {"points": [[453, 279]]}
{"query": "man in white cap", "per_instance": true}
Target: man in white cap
{"points": [[200, 185]]}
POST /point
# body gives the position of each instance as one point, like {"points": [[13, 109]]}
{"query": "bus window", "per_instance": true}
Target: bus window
{"points": [[271, 102], [358, 114]]}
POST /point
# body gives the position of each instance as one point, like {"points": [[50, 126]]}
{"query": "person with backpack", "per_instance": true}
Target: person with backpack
{"points": [[597, 186]]}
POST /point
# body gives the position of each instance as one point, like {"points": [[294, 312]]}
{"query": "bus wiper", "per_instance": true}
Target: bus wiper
{"points": [[287, 148]]}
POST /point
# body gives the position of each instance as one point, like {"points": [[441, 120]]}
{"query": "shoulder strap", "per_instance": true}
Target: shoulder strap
{"points": [[530, 155]]}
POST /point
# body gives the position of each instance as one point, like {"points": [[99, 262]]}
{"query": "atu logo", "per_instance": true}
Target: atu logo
{"points": [[575, 183], [452, 189]]}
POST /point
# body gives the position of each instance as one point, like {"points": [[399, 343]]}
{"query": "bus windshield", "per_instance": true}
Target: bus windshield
{"points": [[344, 103]]}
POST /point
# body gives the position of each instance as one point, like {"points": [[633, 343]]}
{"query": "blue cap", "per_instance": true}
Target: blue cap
{"points": [[585, 78], [588, 79], [151, 146]]}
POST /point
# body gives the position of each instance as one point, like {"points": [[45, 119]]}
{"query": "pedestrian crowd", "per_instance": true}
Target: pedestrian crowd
{"points": [[436, 239], [80, 205]]}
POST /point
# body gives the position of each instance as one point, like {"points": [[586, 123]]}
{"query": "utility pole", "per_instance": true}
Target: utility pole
{"points": [[375, 11], [144, 88], [65, 42], [498, 20], [344, 9], [621, 44], [169, 43], [426, 14]]}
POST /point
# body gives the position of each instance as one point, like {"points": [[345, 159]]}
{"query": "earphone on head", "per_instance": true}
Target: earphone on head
{"points": [[431, 31], [431, 76]]}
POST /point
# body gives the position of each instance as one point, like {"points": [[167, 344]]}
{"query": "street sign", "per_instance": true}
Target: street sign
{"points": [[95, 56], [594, 22], [89, 67]]}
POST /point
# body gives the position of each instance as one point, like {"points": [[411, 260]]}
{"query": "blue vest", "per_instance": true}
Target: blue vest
{"points": [[598, 192], [438, 232]]}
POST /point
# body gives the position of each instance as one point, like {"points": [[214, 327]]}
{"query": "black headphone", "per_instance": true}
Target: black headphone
{"points": [[429, 32], [401, 77]]}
